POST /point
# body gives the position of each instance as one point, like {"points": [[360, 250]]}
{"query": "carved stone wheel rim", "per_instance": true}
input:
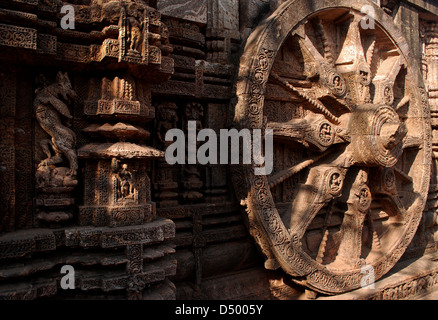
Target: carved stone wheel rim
{"points": [[372, 152]]}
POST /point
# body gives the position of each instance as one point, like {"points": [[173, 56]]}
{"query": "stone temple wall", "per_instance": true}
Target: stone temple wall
{"points": [[84, 111]]}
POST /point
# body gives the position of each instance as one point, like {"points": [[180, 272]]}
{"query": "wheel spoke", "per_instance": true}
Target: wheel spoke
{"points": [[359, 202], [314, 132], [403, 102], [352, 56], [309, 49], [281, 176], [393, 203], [324, 183], [385, 79], [325, 233], [353, 64], [413, 142], [376, 243], [385, 190], [404, 177], [328, 54], [324, 69], [301, 93], [370, 52]]}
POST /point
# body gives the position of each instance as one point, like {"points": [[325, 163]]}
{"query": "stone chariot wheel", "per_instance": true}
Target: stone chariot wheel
{"points": [[352, 154]]}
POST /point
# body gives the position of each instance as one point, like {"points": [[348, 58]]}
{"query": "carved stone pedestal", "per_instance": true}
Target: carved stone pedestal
{"points": [[54, 205], [117, 188], [166, 189]]}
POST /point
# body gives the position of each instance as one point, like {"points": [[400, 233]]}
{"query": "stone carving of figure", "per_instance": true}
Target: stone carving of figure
{"points": [[325, 133], [51, 107], [193, 112], [135, 27], [337, 81], [126, 182], [167, 119], [48, 177]]}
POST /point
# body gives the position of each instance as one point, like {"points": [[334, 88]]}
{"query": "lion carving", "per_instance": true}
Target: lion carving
{"points": [[51, 106]]}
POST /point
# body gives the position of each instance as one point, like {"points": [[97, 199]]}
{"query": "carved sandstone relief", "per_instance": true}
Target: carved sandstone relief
{"points": [[352, 143], [117, 162], [192, 173], [429, 35], [54, 182], [136, 34], [166, 185], [75, 150]]}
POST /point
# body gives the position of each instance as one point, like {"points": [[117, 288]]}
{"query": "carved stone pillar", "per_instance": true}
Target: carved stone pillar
{"points": [[192, 182], [117, 186], [7, 153], [216, 175], [222, 29], [166, 185], [118, 160], [74, 156], [430, 73], [430, 62]]}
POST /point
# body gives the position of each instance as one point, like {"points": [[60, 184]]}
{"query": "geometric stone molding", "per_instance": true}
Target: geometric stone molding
{"points": [[409, 280], [20, 37], [139, 258], [120, 96]]}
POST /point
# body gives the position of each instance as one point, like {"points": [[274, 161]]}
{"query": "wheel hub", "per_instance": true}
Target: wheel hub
{"points": [[376, 135]]}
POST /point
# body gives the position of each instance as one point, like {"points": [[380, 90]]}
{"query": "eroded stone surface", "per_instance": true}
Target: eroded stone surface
{"points": [[83, 119], [353, 101]]}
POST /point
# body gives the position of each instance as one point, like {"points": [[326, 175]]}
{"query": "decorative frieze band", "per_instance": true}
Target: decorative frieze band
{"points": [[14, 36]]}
